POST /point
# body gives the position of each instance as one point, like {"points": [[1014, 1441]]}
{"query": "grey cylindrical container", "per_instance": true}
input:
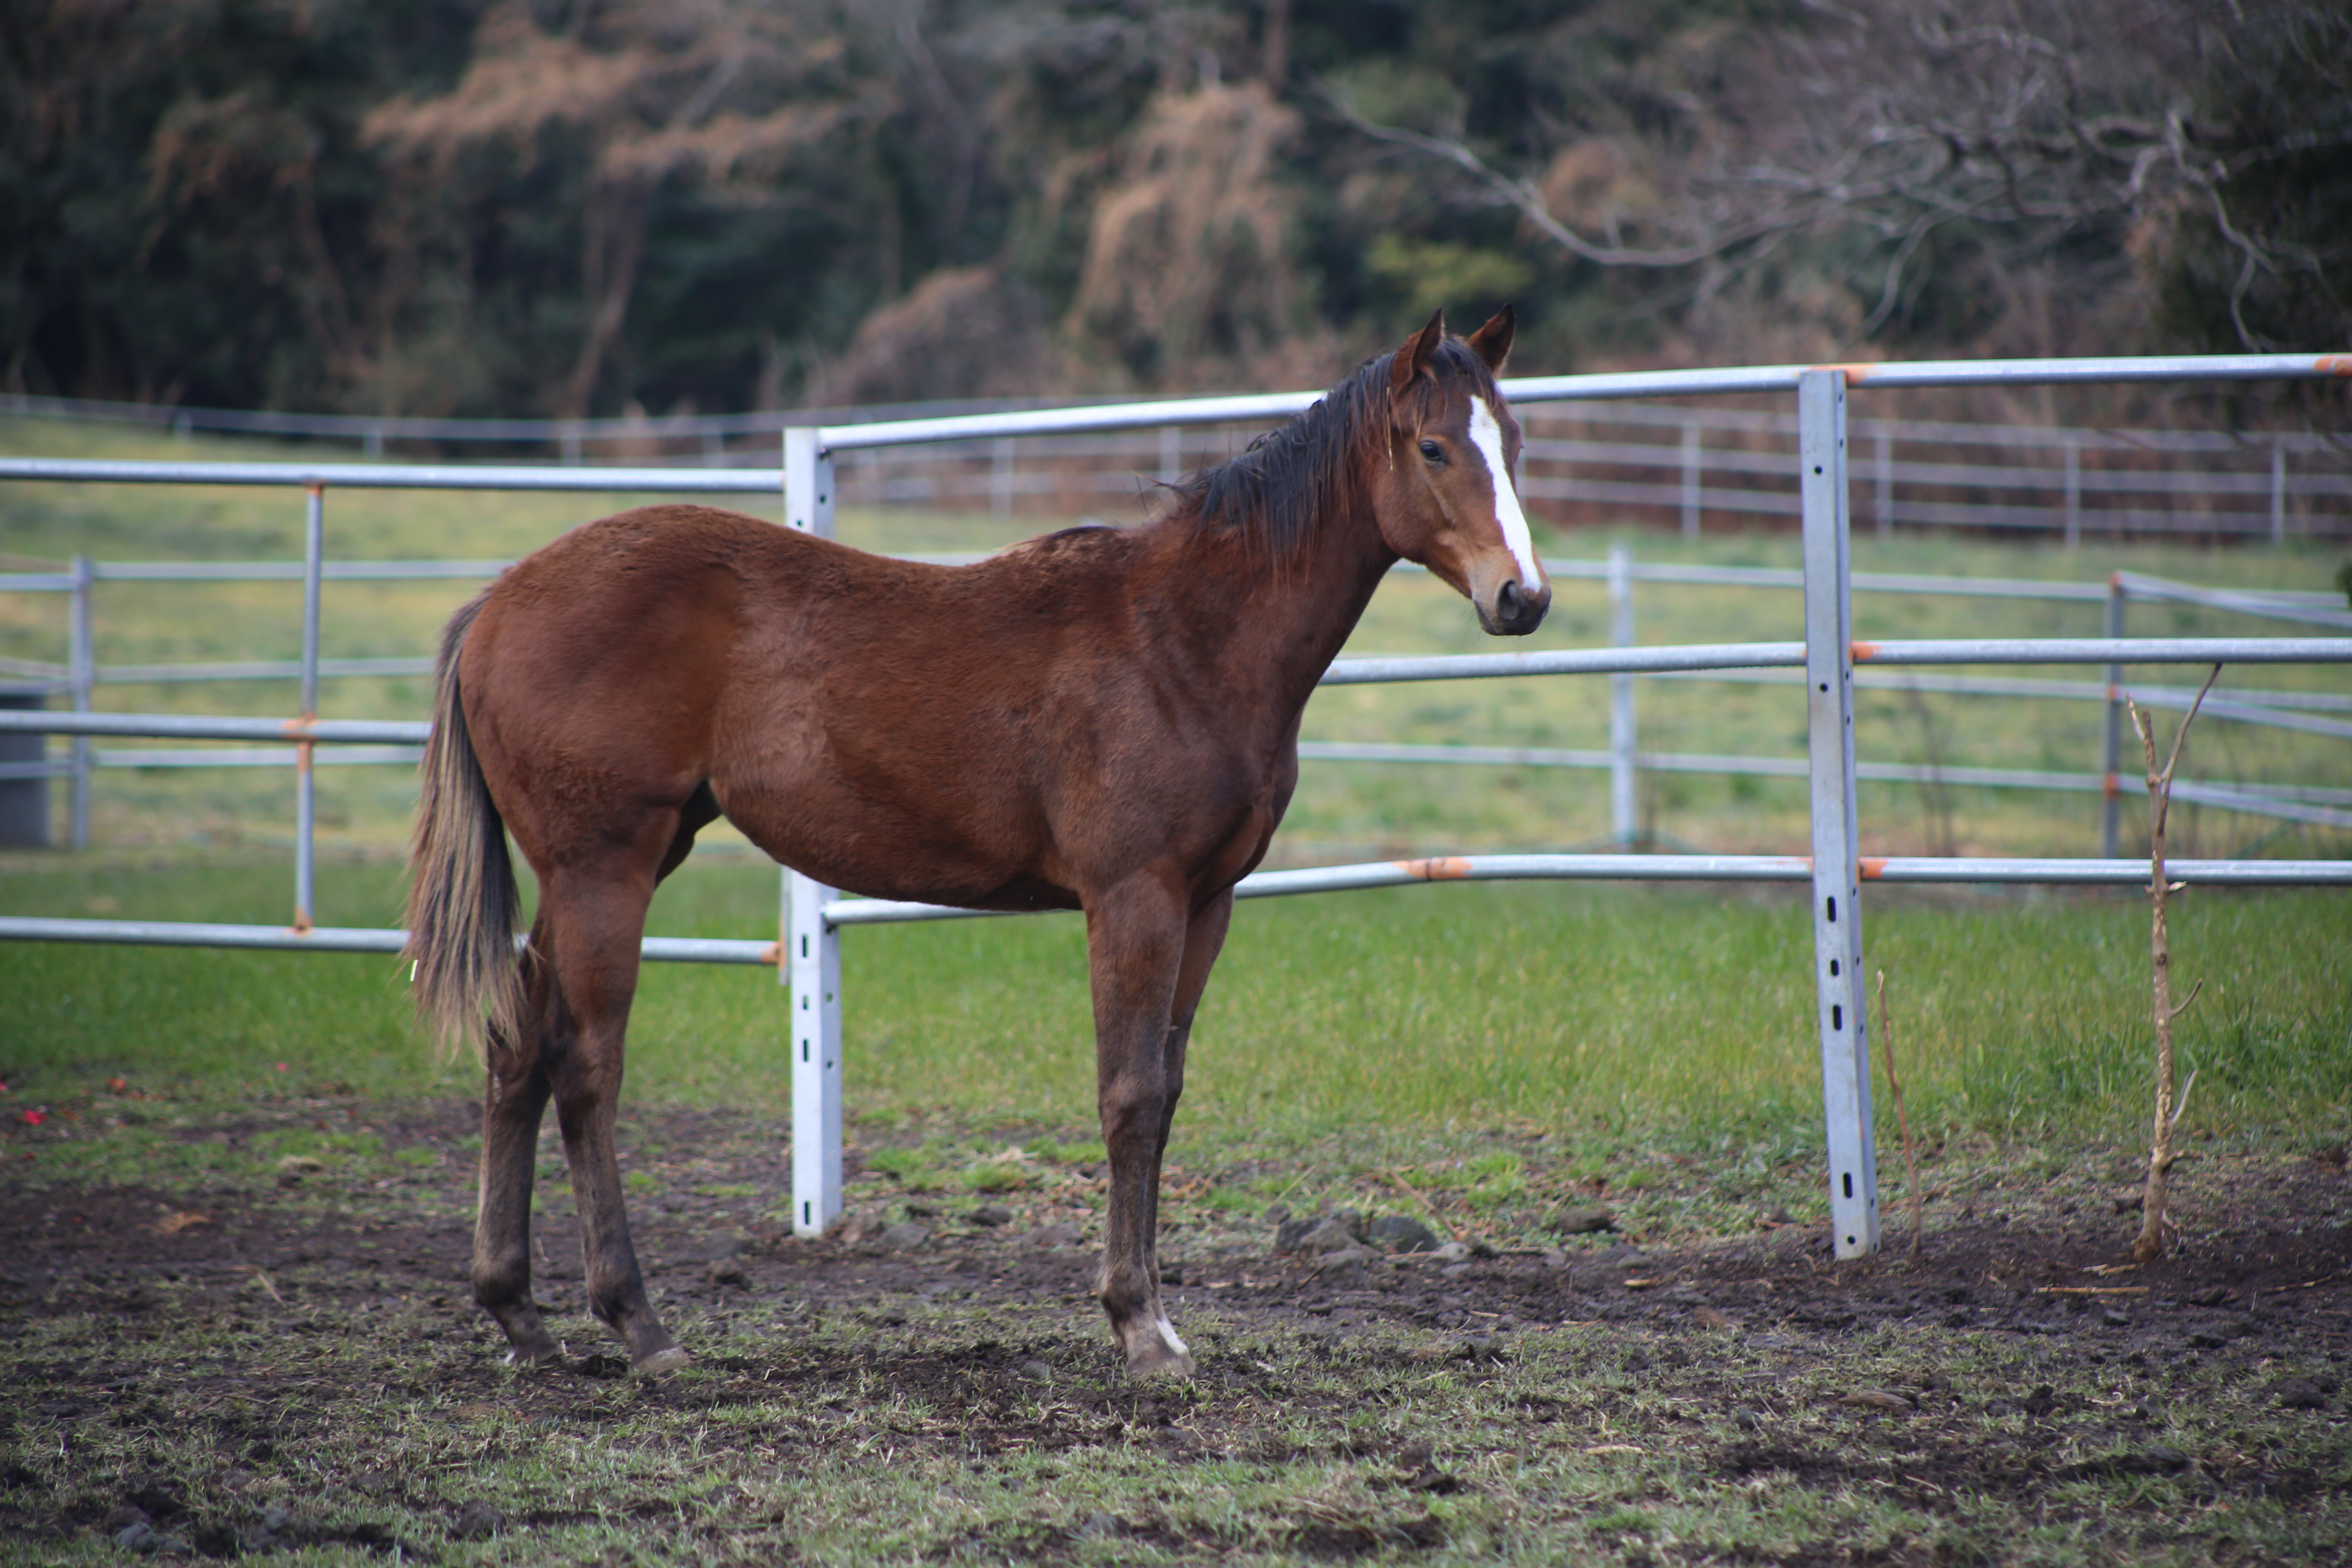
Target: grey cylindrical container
{"points": [[23, 802]]}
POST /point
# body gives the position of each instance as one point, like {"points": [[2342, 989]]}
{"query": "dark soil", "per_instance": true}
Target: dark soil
{"points": [[1728, 1327]]}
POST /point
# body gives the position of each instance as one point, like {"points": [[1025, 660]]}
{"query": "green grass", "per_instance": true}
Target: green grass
{"points": [[1684, 1013]]}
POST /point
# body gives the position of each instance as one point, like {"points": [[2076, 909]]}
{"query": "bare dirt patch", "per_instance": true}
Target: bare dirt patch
{"points": [[207, 1362]]}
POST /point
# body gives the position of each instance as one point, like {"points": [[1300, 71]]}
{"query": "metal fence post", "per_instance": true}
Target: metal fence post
{"points": [[2073, 495], [811, 944], [1000, 476], [808, 482], [1624, 821], [1882, 487], [1836, 880], [306, 775], [2278, 492], [1691, 478], [82, 657], [2112, 749], [813, 969]]}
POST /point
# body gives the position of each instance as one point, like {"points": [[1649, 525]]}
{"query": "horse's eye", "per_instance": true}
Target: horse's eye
{"points": [[1432, 452]]}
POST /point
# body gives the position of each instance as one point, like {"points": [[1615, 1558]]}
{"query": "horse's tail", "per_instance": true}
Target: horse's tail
{"points": [[463, 903]]}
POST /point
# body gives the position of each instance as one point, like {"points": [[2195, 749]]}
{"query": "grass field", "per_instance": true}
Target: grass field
{"points": [[1590, 1012]]}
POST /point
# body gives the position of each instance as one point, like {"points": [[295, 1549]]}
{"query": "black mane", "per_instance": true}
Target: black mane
{"points": [[1273, 493]]}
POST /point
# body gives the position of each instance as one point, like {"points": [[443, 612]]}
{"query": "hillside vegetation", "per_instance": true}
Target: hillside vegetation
{"points": [[573, 206]]}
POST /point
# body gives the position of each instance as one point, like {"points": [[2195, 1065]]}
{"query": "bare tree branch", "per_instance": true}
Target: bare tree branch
{"points": [[1529, 198]]}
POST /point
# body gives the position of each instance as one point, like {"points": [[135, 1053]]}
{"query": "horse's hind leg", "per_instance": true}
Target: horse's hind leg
{"points": [[601, 922], [583, 1054], [513, 1101]]}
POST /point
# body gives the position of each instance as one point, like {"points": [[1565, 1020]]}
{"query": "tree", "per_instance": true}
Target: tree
{"points": [[1934, 159]]}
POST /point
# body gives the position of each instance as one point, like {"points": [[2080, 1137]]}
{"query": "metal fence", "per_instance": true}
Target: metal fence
{"points": [[1682, 463], [808, 956]]}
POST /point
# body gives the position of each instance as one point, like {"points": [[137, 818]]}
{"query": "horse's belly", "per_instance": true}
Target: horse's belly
{"points": [[829, 833]]}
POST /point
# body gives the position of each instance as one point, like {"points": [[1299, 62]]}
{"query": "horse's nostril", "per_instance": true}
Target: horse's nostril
{"points": [[1509, 603]]}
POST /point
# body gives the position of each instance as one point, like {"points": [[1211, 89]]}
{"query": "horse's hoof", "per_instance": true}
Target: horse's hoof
{"points": [[1157, 1352], [529, 1356], [663, 1362], [1160, 1365]]}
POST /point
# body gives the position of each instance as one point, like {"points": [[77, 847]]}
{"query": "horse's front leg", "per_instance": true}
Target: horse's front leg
{"points": [[1205, 937], [1140, 944]]}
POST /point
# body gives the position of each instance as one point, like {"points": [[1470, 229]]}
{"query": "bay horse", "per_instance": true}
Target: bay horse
{"points": [[1102, 718]]}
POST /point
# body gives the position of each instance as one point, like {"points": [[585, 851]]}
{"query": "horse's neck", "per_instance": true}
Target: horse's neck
{"points": [[1275, 627]]}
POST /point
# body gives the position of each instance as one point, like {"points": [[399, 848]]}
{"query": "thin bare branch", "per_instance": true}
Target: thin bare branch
{"points": [[2183, 1005], [1529, 199]]}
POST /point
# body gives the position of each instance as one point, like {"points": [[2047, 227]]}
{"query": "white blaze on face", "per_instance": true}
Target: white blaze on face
{"points": [[1486, 435]]}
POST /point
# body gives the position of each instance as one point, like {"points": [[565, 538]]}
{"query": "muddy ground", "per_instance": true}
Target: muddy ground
{"points": [[190, 1361]]}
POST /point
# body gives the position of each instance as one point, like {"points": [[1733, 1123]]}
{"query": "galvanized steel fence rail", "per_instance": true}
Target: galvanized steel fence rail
{"points": [[813, 917], [2300, 482]]}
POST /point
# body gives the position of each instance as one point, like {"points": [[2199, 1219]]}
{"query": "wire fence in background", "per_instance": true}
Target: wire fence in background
{"points": [[1586, 463]]}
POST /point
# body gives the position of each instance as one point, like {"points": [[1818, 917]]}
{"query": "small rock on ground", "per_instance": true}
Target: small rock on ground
{"points": [[1341, 1227], [1330, 1236], [905, 1237], [1347, 1265], [1054, 1236], [990, 1215], [1401, 1232], [2295, 1393]]}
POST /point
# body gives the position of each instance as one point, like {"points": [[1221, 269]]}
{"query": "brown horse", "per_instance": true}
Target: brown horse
{"points": [[1103, 718]]}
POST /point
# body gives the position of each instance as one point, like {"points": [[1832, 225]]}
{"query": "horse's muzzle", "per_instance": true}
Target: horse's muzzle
{"points": [[1516, 612]]}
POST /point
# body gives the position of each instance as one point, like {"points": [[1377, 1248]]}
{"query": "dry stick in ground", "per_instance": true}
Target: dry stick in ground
{"points": [[1894, 1087], [2151, 1244]]}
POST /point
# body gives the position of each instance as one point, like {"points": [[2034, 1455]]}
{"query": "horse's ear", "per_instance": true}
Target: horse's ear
{"points": [[1412, 361], [1493, 340]]}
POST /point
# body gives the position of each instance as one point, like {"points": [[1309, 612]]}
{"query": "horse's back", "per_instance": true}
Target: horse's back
{"points": [[855, 716]]}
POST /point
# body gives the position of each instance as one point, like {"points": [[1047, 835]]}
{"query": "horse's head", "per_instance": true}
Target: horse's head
{"points": [[1448, 501]]}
